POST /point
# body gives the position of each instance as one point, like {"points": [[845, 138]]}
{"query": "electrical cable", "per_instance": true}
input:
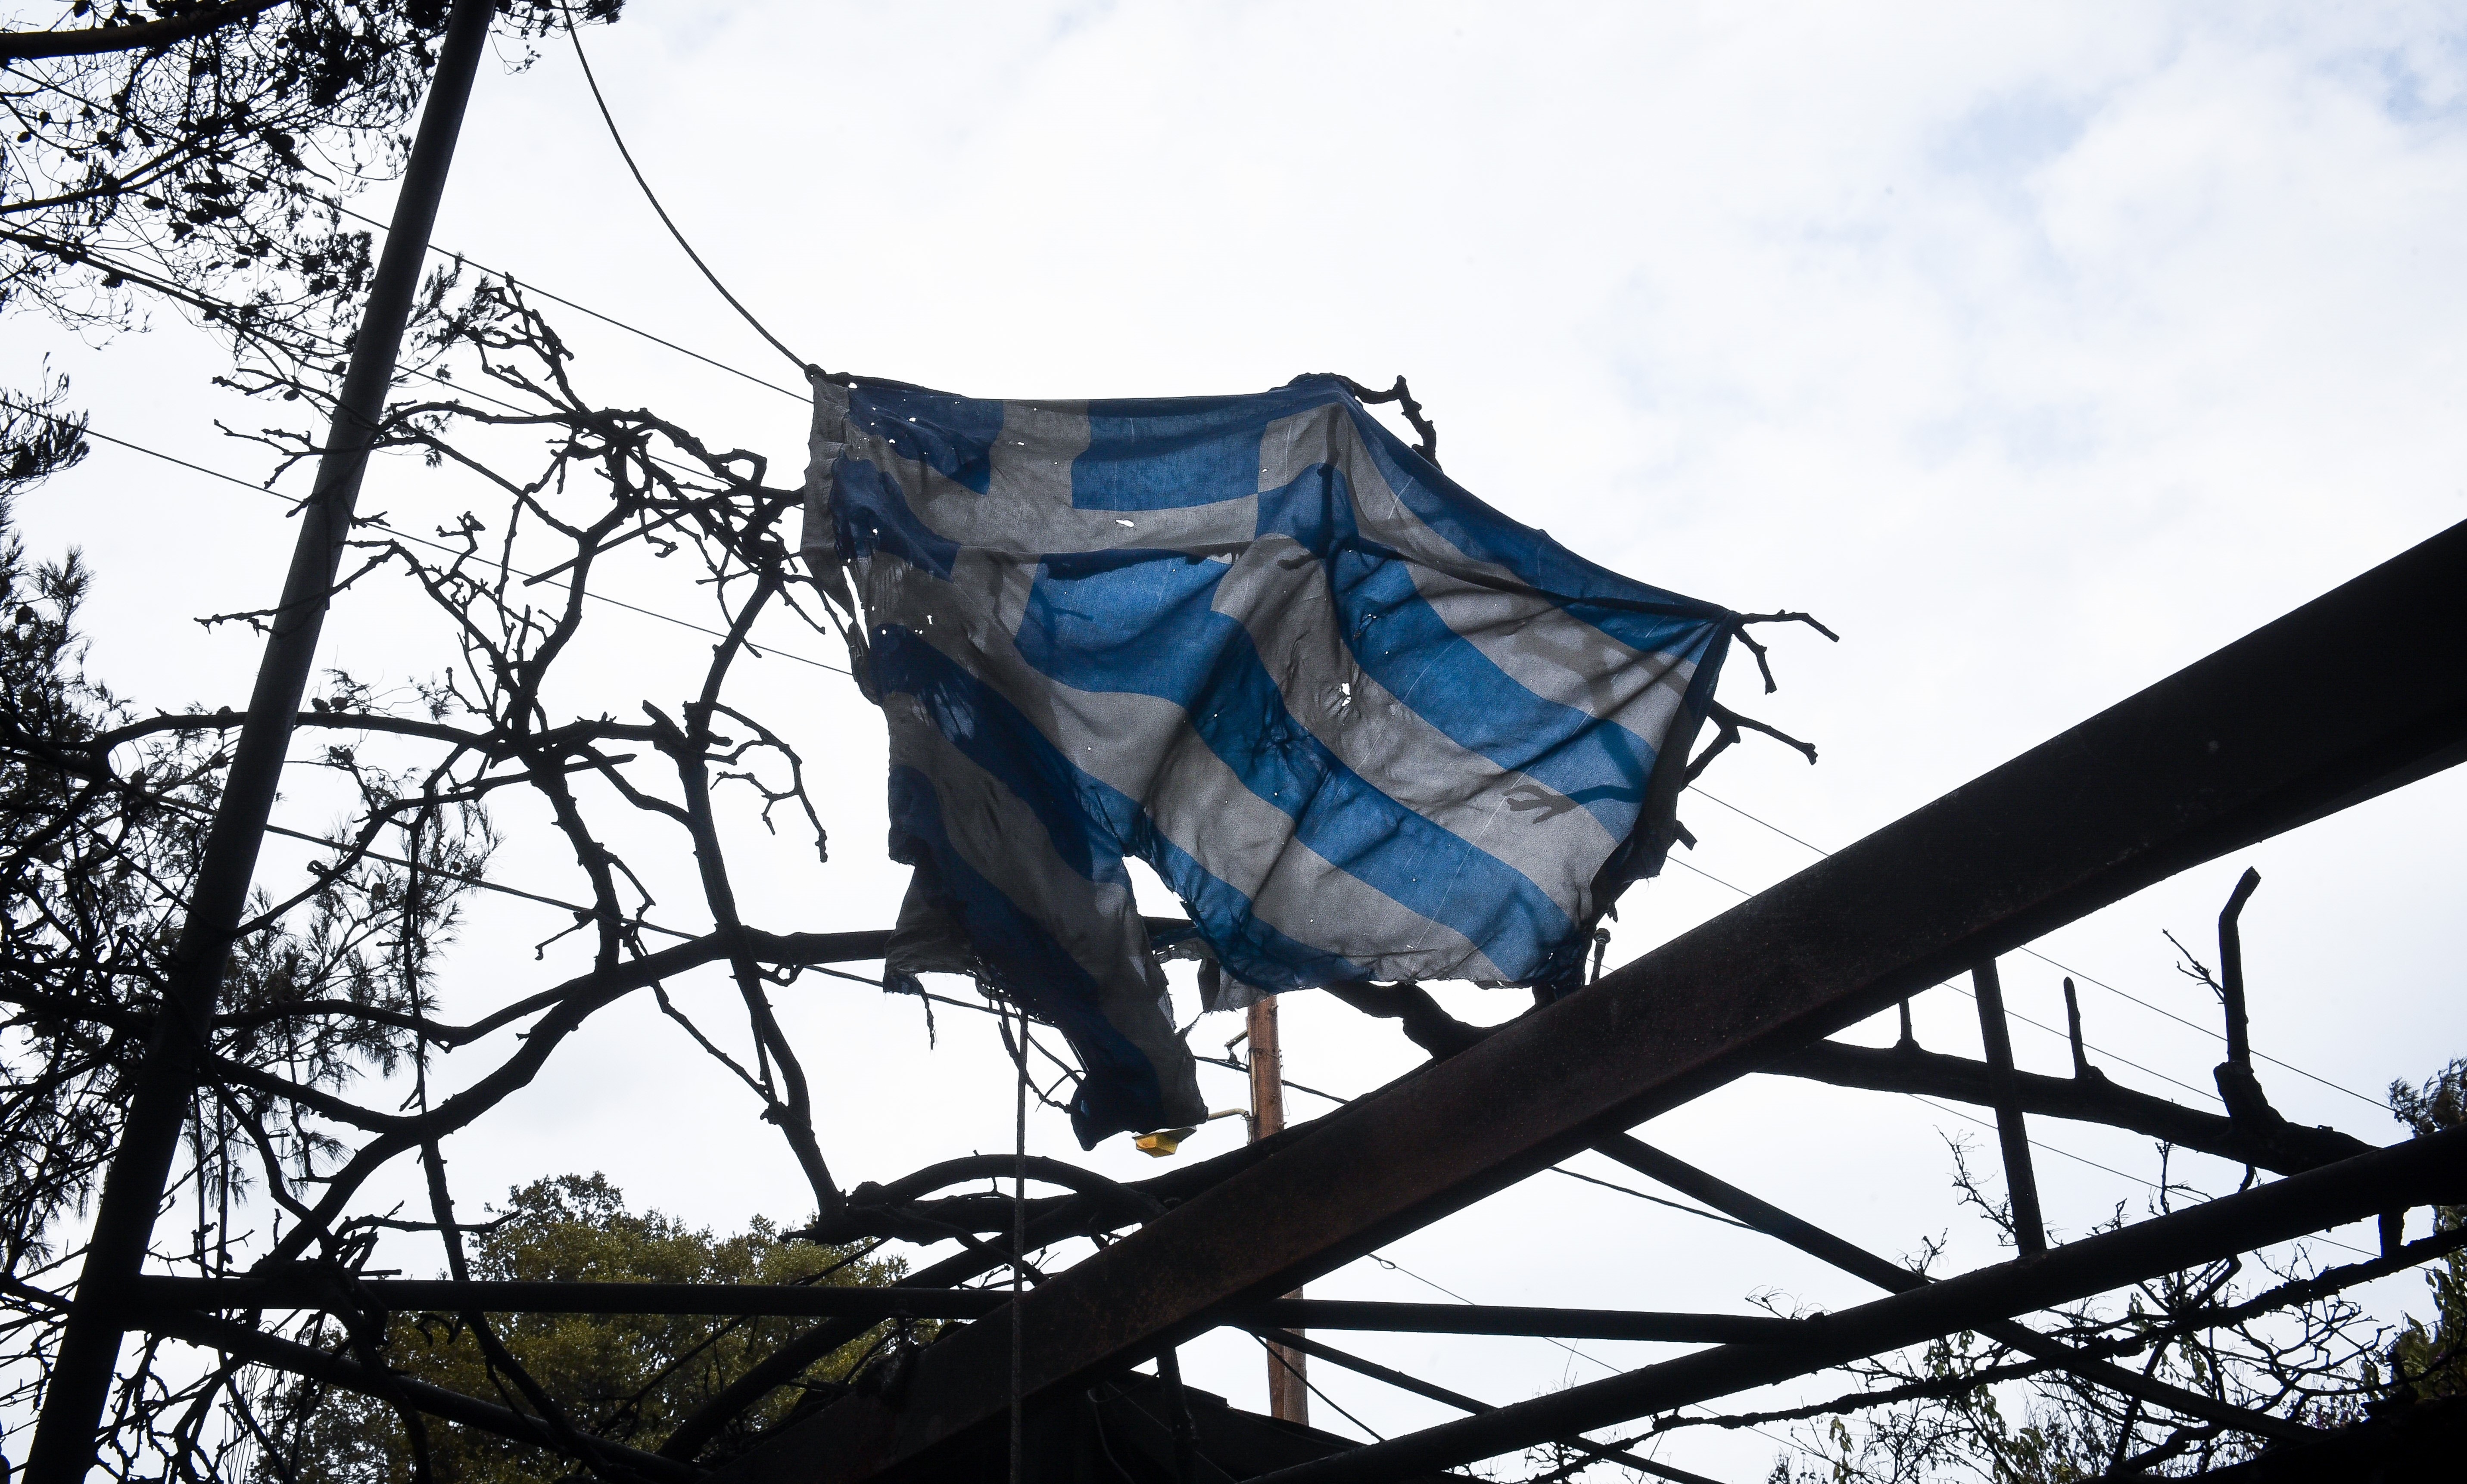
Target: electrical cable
{"points": [[1291, 1369], [2121, 1060], [1971, 1119], [2061, 968], [1675, 1205], [1394, 1265], [335, 205], [463, 877], [580, 309], [811, 369], [2026, 1019], [438, 546], [1233, 1065]]}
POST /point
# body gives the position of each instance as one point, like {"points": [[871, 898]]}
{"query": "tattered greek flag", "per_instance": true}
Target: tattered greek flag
{"points": [[1366, 727]]}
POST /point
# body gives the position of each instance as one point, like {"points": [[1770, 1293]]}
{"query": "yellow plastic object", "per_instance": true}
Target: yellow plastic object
{"points": [[1163, 1142]]}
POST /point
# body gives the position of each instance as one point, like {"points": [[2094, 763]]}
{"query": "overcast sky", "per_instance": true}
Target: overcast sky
{"points": [[2039, 351]]}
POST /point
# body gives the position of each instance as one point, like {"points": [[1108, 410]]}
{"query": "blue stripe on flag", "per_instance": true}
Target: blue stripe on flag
{"points": [[1404, 644], [951, 434], [1536, 557], [994, 735], [1401, 642], [1106, 823], [1168, 452], [869, 515], [1140, 621]]}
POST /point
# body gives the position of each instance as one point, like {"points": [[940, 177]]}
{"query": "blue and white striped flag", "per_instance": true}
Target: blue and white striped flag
{"points": [[1365, 726]]}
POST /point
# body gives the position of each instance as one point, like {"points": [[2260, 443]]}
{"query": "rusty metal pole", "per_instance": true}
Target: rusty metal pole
{"points": [[1288, 1397], [79, 1383]]}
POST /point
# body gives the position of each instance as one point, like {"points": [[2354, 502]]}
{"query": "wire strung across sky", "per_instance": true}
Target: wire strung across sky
{"points": [[438, 546], [2062, 968], [2152, 1184], [573, 35], [1593, 1359], [2027, 1021], [1956, 987]]}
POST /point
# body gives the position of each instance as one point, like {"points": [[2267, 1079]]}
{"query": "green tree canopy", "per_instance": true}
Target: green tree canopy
{"points": [[627, 1377], [2434, 1362]]}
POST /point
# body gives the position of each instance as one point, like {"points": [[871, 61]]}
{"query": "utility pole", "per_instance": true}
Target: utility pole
{"points": [[1288, 1397], [79, 1383]]}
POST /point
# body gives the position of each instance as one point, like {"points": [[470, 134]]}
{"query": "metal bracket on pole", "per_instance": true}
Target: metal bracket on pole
{"points": [[79, 1382]]}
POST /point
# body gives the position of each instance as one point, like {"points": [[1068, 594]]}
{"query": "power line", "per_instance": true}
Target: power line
{"points": [[1971, 1119], [2061, 968], [2066, 1037], [2362, 1097], [438, 546], [336, 206], [580, 309], [1397, 1267], [576, 36], [1675, 1205], [1233, 1065]]}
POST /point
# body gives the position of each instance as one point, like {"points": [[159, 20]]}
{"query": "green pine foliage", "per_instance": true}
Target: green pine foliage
{"points": [[626, 1377], [2433, 1362]]}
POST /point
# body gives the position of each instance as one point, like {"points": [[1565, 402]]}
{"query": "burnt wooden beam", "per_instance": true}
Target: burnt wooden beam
{"points": [[314, 1290], [2012, 1135], [2355, 693], [311, 1287]]}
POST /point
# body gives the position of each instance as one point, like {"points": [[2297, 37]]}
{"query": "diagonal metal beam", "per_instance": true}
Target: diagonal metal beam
{"points": [[2353, 694], [1465, 1403], [1774, 1221], [78, 1385], [2422, 1171]]}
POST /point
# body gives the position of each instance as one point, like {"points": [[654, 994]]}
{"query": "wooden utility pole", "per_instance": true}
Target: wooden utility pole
{"points": [[1288, 1397]]}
